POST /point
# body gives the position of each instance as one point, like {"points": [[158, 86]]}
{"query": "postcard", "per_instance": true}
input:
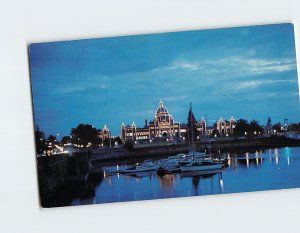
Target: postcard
{"points": [[166, 115]]}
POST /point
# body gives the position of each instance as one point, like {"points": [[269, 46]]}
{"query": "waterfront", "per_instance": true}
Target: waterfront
{"points": [[268, 169]]}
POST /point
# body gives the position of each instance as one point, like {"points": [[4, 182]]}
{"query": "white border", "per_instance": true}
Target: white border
{"points": [[22, 22]]}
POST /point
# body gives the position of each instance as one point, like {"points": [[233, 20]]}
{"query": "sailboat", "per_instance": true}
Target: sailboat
{"points": [[198, 163]]}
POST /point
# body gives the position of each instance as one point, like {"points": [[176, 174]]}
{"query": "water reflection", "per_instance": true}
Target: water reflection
{"points": [[250, 171], [167, 182], [222, 185], [247, 159]]}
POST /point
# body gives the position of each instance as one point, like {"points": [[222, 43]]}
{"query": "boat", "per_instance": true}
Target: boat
{"points": [[200, 166], [193, 155], [144, 167]]}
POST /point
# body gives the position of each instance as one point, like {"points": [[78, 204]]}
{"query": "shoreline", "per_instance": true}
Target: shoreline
{"points": [[77, 174], [228, 145]]}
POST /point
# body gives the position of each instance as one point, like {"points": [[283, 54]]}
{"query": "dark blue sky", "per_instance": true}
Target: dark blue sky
{"points": [[246, 72]]}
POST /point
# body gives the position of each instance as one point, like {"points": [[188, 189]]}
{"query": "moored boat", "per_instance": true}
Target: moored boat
{"points": [[144, 167], [201, 166]]}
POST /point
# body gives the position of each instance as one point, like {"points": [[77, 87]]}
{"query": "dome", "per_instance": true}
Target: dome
{"points": [[162, 114], [161, 108]]}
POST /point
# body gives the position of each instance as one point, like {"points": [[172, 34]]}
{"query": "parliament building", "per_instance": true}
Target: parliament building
{"points": [[164, 128]]}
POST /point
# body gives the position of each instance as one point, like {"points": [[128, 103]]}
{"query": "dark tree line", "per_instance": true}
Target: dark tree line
{"points": [[244, 128], [40, 141], [294, 127], [84, 135]]}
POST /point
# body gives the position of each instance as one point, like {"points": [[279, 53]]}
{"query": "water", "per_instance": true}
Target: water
{"points": [[277, 168]]}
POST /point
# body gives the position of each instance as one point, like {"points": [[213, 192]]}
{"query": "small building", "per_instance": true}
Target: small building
{"points": [[226, 127], [105, 135]]}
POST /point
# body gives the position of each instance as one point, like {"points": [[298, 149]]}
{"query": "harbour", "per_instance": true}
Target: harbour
{"points": [[265, 169]]}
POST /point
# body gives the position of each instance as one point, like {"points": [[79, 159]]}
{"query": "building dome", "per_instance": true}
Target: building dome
{"points": [[161, 108], [162, 114]]}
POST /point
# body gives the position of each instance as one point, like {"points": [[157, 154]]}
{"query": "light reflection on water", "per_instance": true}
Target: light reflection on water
{"points": [[255, 171]]}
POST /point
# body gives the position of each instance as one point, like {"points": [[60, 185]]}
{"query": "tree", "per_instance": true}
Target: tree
{"points": [[268, 125], [277, 127], [255, 129], [51, 141], [40, 141], [84, 134], [242, 127], [65, 140], [118, 140], [192, 127], [294, 127], [269, 122], [215, 132]]}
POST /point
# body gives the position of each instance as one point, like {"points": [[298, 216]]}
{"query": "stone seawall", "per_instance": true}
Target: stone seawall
{"points": [[98, 155], [256, 143], [108, 153], [58, 171], [160, 150], [222, 144], [52, 175]]}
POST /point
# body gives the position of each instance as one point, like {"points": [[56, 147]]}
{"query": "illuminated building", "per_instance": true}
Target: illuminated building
{"points": [[162, 128], [225, 126]]}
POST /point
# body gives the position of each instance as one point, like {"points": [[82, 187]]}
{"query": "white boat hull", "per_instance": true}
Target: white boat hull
{"points": [[138, 170], [189, 168]]}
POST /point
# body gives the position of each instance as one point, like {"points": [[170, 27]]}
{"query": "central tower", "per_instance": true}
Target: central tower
{"points": [[163, 121]]}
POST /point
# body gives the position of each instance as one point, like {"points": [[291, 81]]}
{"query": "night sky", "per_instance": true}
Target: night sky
{"points": [[246, 72]]}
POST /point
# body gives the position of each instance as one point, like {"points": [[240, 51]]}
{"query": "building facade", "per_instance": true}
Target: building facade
{"points": [[225, 127], [161, 128], [164, 128]]}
